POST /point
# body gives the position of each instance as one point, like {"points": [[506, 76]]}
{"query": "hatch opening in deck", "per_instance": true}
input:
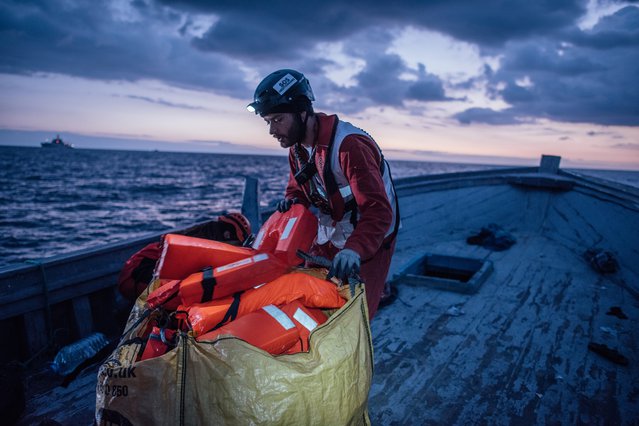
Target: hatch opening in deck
{"points": [[454, 273]]}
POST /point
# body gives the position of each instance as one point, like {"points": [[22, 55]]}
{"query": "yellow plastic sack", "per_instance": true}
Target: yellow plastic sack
{"points": [[229, 382]]}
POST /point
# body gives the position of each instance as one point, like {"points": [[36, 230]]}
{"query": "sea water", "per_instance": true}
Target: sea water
{"points": [[58, 201]]}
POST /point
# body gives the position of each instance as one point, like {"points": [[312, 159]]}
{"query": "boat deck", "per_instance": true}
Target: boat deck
{"points": [[515, 352], [510, 353]]}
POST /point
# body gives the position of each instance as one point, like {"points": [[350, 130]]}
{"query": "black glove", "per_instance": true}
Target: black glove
{"points": [[285, 204], [345, 263]]}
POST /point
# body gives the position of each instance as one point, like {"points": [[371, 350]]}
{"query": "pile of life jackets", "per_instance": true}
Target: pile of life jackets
{"points": [[137, 272], [213, 289]]}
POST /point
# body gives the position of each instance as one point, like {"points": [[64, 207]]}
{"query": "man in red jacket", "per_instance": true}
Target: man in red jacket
{"points": [[339, 169]]}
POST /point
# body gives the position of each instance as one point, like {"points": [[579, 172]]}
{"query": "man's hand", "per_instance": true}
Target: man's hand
{"points": [[285, 204], [345, 263]]}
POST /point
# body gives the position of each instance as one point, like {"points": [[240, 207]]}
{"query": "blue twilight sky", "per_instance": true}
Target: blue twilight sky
{"points": [[497, 81]]}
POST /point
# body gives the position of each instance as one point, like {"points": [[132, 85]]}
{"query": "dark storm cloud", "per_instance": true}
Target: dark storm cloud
{"points": [[92, 42], [380, 81], [627, 146], [385, 80], [584, 79], [618, 31], [492, 22], [548, 57], [294, 27], [573, 75], [277, 32], [162, 102], [487, 116]]}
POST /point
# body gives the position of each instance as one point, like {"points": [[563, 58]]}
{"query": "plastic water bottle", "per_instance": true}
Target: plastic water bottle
{"points": [[71, 356]]}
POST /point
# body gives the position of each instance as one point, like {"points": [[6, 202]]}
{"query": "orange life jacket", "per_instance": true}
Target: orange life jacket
{"points": [[160, 341], [225, 280], [284, 233], [166, 296], [310, 291], [182, 255], [137, 271], [306, 320], [268, 328], [212, 315]]}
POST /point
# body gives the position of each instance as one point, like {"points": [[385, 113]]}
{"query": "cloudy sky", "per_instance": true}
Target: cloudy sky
{"points": [[497, 81]]}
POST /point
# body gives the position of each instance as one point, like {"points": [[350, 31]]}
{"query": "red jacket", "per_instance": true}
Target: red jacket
{"points": [[361, 162]]}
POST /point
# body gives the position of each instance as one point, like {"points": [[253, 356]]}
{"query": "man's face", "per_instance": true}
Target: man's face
{"points": [[287, 128]]}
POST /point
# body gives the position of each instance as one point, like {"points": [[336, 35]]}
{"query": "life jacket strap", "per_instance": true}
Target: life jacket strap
{"points": [[208, 284], [231, 313]]}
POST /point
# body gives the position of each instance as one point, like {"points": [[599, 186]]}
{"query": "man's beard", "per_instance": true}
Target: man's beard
{"points": [[297, 131]]}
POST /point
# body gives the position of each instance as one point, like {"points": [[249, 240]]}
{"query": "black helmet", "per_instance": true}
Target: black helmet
{"points": [[282, 91]]}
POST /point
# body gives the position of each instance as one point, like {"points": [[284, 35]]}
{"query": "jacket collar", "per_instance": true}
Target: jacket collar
{"points": [[326, 129]]}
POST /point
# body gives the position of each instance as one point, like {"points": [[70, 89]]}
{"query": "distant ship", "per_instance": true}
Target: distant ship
{"points": [[56, 143]]}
